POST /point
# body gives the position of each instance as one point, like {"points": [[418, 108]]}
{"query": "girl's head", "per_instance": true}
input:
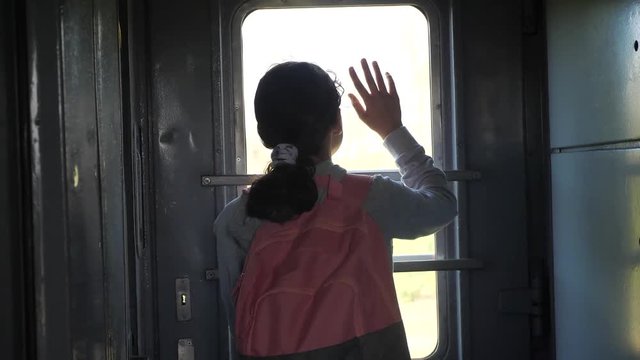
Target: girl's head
{"points": [[296, 103]]}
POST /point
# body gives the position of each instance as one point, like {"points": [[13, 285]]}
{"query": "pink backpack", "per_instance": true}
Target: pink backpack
{"points": [[321, 286]]}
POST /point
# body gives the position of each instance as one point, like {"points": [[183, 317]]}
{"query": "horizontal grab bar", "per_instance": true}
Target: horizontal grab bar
{"points": [[437, 265], [240, 180]]}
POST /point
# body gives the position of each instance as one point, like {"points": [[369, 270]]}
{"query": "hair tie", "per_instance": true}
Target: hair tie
{"points": [[284, 153]]}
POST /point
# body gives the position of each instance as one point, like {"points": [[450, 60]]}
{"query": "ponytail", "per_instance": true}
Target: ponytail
{"points": [[296, 103], [286, 191]]}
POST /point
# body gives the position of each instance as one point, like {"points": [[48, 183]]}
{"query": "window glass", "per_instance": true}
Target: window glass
{"points": [[401, 45], [417, 296], [422, 246], [336, 38]]}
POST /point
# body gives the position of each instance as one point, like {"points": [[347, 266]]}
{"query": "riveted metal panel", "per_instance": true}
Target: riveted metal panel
{"points": [[594, 71], [596, 228]]}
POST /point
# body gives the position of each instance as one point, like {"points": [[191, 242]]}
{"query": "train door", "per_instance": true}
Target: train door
{"points": [[409, 45], [201, 63]]}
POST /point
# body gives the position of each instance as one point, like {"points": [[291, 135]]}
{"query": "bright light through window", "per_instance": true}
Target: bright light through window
{"points": [[336, 38], [396, 36], [419, 307]]}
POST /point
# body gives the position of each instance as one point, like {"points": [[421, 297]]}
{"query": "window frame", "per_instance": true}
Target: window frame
{"points": [[446, 140]]}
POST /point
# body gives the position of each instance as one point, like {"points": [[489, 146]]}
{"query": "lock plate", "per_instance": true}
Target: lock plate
{"points": [[186, 350], [183, 299]]}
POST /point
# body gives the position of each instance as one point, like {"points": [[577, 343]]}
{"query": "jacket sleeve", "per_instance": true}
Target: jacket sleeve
{"points": [[233, 234], [419, 205], [230, 257]]}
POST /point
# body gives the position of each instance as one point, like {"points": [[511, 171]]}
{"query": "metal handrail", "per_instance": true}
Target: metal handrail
{"points": [[240, 180]]}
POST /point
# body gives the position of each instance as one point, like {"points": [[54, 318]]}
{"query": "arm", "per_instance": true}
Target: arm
{"points": [[421, 204], [230, 257], [234, 233]]}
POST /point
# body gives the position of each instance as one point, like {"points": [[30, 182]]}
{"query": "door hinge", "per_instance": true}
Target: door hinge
{"points": [[526, 301], [522, 301]]}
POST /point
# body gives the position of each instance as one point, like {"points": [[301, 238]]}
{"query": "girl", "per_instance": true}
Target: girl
{"points": [[297, 108]]}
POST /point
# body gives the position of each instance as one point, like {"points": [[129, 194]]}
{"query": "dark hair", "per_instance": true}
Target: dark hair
{"points": [[296, 103]]}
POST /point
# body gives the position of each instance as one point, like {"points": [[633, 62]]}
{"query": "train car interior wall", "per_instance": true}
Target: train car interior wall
{"points": [[127, 126]]}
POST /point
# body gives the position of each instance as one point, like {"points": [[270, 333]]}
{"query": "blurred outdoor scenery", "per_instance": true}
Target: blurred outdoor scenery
{"points": [[336, 38]]}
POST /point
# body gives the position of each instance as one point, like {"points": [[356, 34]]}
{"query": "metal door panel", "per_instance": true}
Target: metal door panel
{"points": [[594, 71], [180, 115], [190, 89], [492, 117], [48, 209], [93, 166], [596, 228], [77, 179]]}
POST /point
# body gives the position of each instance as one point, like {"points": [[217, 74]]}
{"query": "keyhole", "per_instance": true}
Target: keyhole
{"points": [[635, 45], [183, 299]]}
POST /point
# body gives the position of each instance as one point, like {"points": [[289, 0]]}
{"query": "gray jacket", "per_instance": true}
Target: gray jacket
{"points": [[419, 205]]}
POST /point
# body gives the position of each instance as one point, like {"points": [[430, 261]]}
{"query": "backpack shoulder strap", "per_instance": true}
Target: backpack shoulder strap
{"points": [[357, 186]]}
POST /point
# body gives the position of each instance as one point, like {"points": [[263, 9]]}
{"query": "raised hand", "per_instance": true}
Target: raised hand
{"points": [[381, 109]]}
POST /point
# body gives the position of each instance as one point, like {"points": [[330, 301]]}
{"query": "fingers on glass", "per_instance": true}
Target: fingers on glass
{"points": [[357, 83], [357, 106], [368, 77], [376, 84], [392, 85], [379, 78]]}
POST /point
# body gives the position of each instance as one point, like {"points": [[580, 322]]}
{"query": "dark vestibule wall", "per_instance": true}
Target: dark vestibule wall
{"points": [[76, 243], [13, 301], [594, 109], [498, 93], [121, 101]]}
